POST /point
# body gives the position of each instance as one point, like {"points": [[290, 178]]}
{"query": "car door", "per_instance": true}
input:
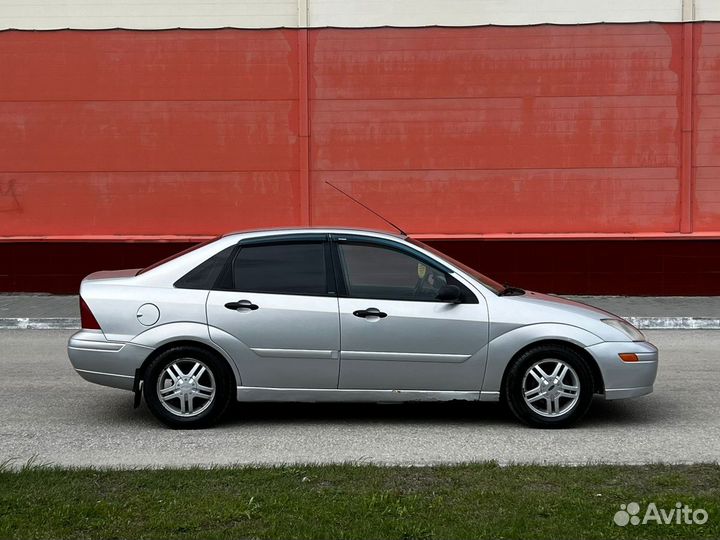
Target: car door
{"points": [[275, 312], [395, 334]]}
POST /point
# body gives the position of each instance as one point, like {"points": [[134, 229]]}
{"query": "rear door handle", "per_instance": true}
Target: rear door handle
{"points": [[242, 304], [369, 312]]}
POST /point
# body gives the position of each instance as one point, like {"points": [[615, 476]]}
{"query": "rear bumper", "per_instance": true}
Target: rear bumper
{"points": [[626, 379], [105, 362], [622, 393]]}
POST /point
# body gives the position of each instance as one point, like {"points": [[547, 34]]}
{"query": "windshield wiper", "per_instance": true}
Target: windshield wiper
{"points": [[509, 290]]}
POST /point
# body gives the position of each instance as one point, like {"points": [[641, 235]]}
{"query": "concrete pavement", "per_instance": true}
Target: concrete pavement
{"points": [[51, 414]]}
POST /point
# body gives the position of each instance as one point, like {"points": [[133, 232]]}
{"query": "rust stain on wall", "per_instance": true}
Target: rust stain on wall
{"points": [[8, 196]]}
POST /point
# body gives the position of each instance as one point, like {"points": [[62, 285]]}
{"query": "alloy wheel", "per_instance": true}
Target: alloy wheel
{"points": [[551, 388], [186, 387]]}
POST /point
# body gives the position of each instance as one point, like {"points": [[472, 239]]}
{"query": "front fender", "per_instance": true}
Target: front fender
{"points": [[504, 347]]}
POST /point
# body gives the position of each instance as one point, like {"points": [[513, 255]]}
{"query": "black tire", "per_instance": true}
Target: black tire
{"points": [[217, 372], [516, 385]]}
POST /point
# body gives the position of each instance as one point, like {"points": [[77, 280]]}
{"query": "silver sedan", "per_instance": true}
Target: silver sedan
{"points": [[346, 315]]}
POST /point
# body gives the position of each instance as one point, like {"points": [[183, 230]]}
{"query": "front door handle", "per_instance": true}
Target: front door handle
{"points": [[242, 304], [369, 312]]}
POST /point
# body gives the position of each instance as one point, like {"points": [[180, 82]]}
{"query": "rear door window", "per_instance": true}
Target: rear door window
{"points": [[281, 268]]}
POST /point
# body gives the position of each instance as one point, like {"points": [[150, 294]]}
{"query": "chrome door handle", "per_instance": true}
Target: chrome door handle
{"points": [[242, 304], [369, 312]]}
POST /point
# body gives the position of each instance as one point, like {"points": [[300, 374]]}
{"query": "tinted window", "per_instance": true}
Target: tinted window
{"points": [[293, 268], [205, 275], [482, 278], [378, 272]]}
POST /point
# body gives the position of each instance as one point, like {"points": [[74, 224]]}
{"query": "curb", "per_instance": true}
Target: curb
{"points": [[674, 323], [46, 323], [643, 323]]}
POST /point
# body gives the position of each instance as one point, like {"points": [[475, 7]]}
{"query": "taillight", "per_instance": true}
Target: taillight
{"points": [[87, 319]]}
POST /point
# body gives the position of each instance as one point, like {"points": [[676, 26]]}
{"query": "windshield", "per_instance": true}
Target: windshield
{"points": [[491, 284]]}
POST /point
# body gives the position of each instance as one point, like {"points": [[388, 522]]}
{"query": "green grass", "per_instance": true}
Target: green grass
{"points": [[353, 501]]}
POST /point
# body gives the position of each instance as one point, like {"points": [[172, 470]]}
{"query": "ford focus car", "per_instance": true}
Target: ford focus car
{"points": [[346, 315]]}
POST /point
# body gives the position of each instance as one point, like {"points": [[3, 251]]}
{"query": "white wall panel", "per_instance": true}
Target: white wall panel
{"points": [[476, 12], [707, 10], [147, 14], [158, 14]]}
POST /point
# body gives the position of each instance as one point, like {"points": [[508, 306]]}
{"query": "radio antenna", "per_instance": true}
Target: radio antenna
{"points": [[367, 208]]}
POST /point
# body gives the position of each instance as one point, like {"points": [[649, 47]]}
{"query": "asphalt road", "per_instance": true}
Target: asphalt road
{"points": [[53, 416]]}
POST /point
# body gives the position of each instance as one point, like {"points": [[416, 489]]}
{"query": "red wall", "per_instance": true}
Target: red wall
{"points": [[546, 129], [147, 133], [553, 131], [706, 128], [501, 130]]}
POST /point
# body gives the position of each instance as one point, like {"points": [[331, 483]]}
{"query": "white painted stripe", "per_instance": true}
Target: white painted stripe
{"points": [[674, 323], [163, 14], [51, 323]]}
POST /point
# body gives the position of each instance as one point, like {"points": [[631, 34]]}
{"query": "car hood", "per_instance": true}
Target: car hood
{"points": [[510, 312], [565, 304]]}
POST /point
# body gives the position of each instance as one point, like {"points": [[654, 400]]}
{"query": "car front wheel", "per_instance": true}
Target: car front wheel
{"points": [[187, 388], [549, 387]]}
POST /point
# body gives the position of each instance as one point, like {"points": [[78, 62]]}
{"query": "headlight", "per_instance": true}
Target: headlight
{"points": [[626, 328]]}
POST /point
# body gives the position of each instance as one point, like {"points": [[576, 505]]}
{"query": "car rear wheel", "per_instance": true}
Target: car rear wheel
{"points": [[187, 387], [549, 387]]}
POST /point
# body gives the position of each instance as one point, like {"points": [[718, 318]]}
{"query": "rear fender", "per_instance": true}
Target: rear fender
{"points": [[183, 332], [115, 305]]}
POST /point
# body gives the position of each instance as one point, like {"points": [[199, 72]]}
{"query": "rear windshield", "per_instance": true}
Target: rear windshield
{"points": [[180, 254]]}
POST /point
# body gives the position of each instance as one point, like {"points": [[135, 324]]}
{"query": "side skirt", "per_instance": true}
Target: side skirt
{"points": [[256, 393]]}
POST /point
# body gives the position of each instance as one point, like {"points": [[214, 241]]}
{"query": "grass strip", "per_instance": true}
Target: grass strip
{"points": [[354, 501]]}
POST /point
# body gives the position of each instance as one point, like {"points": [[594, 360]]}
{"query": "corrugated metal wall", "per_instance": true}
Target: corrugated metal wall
{"points": [[546, 130], [130, 133], [465, 133], [706, 128], [501, 130]]}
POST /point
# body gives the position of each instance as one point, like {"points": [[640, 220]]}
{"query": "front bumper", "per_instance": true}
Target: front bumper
{"points": [[626, 379], [105, 362]]}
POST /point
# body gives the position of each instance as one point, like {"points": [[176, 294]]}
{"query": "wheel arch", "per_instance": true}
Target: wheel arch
{"points": [[591, 362], [186, 342]]}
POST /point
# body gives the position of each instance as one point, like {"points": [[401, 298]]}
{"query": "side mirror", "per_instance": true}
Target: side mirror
{"points": [[449, 293]]}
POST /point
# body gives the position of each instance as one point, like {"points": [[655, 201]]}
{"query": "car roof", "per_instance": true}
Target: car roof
{"points": [[327, 230]]}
